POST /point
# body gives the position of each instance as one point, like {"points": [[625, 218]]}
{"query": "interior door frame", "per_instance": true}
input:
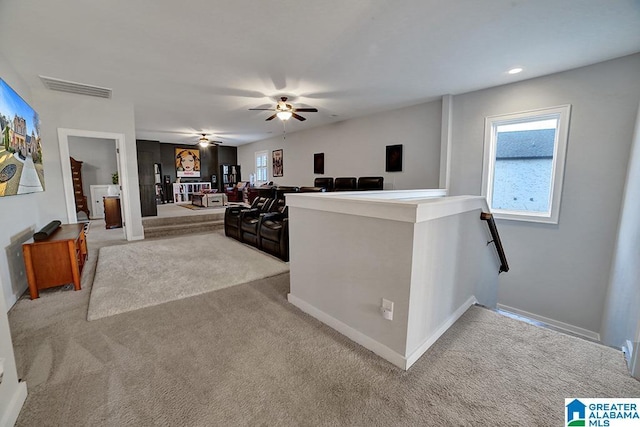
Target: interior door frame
{"points": [[67, 182]]}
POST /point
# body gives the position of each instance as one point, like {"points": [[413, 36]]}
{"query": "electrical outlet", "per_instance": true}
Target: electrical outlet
{"points": [[387, 309]]}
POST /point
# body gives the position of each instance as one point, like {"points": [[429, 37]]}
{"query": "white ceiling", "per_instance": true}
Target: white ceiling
{"points": [[197, 66]]}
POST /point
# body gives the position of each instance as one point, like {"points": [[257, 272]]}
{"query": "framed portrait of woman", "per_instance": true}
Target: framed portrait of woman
{"points": [[187, 163]]}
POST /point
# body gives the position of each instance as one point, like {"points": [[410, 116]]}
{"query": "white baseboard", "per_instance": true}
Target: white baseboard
{"points": [[8, 419], [627, 349], [631, 354], [555, 323], [413, 357], [378, 348], [354, 335]]}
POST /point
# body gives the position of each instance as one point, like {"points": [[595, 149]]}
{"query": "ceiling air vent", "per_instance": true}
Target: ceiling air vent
{"points": [[77, 88]]}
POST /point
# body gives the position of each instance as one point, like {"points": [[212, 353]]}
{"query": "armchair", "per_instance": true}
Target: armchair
{"points": [[274, 234], [313, 189], [249, 220], [271, 223], [345, 184], [371, 183], [233, 215], [235, 193], [324, 182]]}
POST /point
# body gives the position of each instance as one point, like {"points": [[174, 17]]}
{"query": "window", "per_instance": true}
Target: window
{"points": [[261, 167], [524, 163]]}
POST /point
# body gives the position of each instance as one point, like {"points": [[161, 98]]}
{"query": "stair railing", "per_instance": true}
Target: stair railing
{"points": [[504, 266]]}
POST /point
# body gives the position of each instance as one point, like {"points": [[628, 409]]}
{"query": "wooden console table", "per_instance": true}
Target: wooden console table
{"points": [[57, 260]]}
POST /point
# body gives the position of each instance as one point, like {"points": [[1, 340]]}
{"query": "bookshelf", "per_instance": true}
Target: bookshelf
{"points": [[182, 192], [230, 175]]}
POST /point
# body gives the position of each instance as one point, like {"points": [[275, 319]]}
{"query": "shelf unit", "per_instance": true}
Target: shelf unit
{"points": [[230, 175], [78, 192], [182, 191]]}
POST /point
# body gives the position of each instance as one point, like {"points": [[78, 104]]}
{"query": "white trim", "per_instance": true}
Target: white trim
{"points": [[563, 114], [10, 416], [413, 357], [445, 141], [632, 357], [257, 154], [555, 323], [63, 141], [397, 205], [627, 349], [369, 343], [635, 365], [354, 335]]}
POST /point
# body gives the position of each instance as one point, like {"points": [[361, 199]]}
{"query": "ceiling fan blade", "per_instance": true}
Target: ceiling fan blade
{"points": [[262, 109], [306, 110], [271, 117], [299, 117]]}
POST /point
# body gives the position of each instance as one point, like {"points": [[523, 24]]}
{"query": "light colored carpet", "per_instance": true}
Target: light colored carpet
{"points": [[133, 276], [244, 356], [197, 208]]}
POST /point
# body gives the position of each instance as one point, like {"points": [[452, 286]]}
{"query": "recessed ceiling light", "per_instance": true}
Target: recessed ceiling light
{"points": [[515, 70]]}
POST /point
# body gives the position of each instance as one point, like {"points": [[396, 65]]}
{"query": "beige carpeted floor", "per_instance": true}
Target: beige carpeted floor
{"points": [[244, 356], [143, 274]]}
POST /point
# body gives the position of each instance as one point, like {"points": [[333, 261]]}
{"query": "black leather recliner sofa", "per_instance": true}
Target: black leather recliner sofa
{"points": [[370, 183]]}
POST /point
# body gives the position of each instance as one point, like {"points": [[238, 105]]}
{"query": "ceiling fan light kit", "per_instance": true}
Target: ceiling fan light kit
{"points": [[203, 141], [284, 115], [285, 111]]}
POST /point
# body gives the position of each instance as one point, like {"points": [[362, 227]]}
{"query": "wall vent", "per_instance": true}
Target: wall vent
{"points": [[77, 88]]}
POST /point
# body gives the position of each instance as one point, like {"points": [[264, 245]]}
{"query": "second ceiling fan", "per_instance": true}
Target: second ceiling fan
{"points": [[285, 111]]}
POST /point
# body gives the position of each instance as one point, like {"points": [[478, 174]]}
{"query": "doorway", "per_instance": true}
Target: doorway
{"points": [[64, 136]]}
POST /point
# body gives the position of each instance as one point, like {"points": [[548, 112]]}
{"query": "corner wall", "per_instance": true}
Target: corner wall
{"points": [[356, 147], [19, 216], [561, 272], [621, 321]]}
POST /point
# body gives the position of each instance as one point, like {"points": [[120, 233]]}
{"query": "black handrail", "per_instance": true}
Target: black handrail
{"points": [[496, 240]]}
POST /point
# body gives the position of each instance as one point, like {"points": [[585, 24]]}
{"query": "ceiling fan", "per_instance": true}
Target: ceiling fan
{"points": [[285, 111], [203, 141]]}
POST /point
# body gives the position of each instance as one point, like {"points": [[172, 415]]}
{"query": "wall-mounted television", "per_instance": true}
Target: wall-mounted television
{"points": [[20, 149]]}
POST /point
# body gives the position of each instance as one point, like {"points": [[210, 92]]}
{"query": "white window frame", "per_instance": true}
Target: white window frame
{"points": [[562, 113], [258, 154]]}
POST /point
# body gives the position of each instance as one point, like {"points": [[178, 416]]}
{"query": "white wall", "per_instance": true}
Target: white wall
{"points": [[99, 161], [622, 315], [62, 110], [561, 272], [356, 148], [18, 216]]}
